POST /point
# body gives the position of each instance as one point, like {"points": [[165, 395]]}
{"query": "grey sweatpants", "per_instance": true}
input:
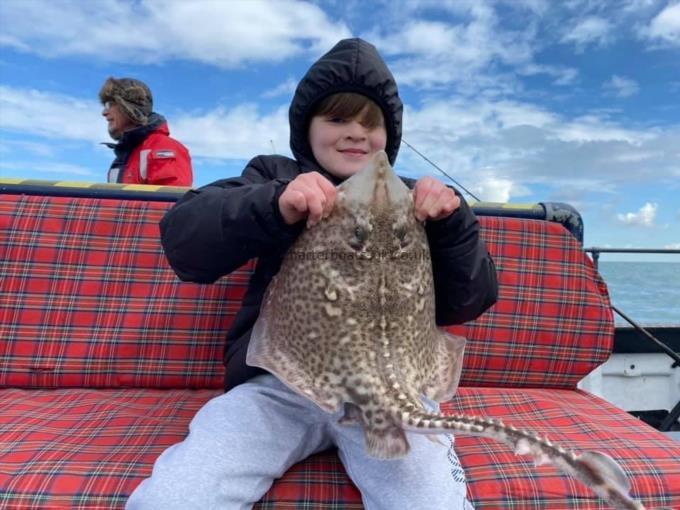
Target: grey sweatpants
{"points": [[240, 442]]}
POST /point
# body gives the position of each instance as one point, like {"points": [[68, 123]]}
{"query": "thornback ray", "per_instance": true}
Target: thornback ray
{"points": [[349, 322]]}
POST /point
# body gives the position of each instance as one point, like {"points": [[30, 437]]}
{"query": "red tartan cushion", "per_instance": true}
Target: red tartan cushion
{"points": [[88, 449], [499, 479], [87, 299], [552, 324]]}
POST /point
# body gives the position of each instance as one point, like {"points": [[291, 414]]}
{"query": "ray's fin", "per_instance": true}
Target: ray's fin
{"points": [[388, 443], [607, 467], [448, 367]]}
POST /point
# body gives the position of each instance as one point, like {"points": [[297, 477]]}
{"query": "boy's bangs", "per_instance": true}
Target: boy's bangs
{"points": [[347, 105]]}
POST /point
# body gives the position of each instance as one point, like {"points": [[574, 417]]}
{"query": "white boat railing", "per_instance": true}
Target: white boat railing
{"points": [[595, 251], [621, 374]]}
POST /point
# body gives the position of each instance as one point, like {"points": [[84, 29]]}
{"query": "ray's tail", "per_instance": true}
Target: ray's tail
{"points": [[597, 470]]}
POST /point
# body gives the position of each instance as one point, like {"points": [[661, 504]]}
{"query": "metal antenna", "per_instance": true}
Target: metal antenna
{"points": [[442, 171]]}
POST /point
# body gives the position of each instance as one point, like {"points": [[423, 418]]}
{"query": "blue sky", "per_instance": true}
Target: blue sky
{"points": [[519, 100]]}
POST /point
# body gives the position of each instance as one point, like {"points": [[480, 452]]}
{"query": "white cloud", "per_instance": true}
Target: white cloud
{"points": [[591, 30], [634, 155], [643, 218], [237, 133], [287, 88], [536, 6], [621, 87], [635, 6], [665, 26], [459, 118], [473, 139], [51, 115], [493, 189], [493, 144], [426, 53], [595, 128], [672, 246], [26, 147], [563, 75], [52, 167], [225, 34]]}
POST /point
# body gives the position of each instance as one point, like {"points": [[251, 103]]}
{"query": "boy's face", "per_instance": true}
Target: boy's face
{"points": [[344, 146]]}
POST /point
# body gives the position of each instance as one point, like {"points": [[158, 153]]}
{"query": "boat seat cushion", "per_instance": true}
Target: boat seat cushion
{"points": [[86, 449], [90, 301], [552, 324]]}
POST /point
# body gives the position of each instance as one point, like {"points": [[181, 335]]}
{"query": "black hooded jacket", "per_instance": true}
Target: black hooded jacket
{"points": [[214, 230]]}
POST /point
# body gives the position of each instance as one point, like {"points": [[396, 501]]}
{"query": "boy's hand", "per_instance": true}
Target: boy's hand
{"points": [[433, 200], [310, 196]]}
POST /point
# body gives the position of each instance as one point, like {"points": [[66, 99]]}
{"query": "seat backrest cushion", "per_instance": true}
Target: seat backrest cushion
{"points": [[553, 321], [87, 299]]}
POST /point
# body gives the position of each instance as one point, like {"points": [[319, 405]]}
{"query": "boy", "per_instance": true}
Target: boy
{"points": [[345, 109]]}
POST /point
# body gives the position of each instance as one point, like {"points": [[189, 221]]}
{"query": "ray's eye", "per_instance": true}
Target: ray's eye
{"points": [[358, 238], [402, 236]]}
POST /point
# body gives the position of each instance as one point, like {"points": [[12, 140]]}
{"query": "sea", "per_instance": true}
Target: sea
{"points": [[648, 292]]}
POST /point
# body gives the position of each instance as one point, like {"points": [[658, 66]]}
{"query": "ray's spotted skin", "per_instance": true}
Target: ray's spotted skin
{"points": [[349, 322]]}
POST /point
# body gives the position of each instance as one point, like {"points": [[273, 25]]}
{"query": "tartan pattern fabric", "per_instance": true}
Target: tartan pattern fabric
{"points": [[552, 324], [87, 299], [319, 482], [89, 306], [89, 449], [86, 449], [498, 479]]}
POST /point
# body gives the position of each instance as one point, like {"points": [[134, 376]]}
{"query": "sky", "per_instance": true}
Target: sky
{"points": [[520, 101]]}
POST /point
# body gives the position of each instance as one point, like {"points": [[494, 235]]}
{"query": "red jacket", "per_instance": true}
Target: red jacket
{"points": [[158, 159]]}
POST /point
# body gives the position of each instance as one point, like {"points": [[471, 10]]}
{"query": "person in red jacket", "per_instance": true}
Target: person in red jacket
{"points": [[145, 152]]}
